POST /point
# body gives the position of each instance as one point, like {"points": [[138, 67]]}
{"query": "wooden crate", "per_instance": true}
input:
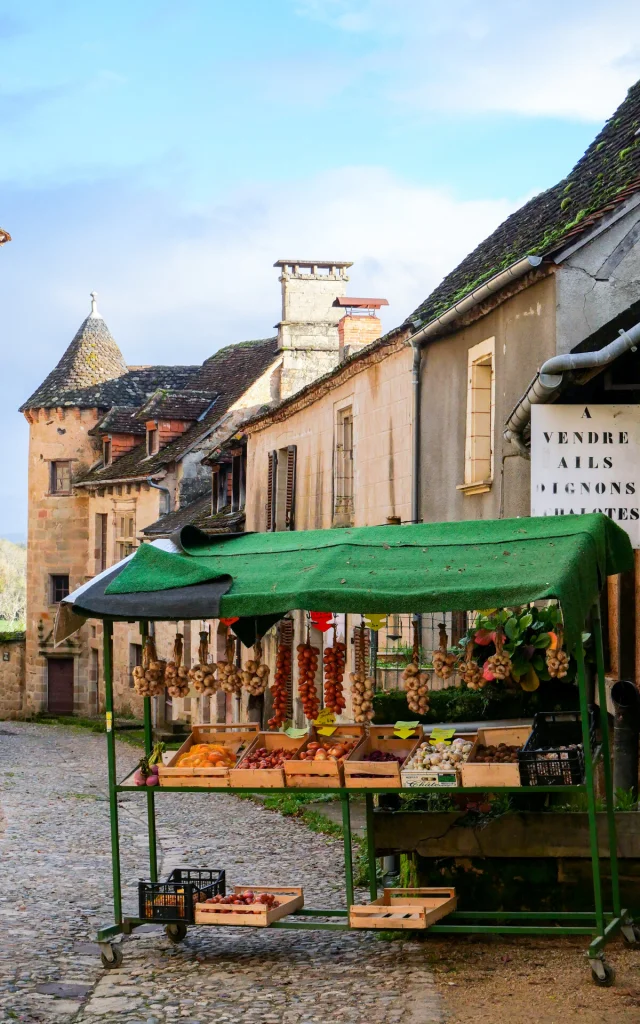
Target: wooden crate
{"points": [[474, 774], [290, 899], [234, 737], [269, 778], [321, 774], [404, 908], [381, 773], [435, 778]]}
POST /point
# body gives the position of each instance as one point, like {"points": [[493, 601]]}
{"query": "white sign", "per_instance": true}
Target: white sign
{"points": [[587, 459]]}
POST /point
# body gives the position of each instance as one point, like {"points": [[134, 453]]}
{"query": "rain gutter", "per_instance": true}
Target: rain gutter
{"points": [[552, 378]]}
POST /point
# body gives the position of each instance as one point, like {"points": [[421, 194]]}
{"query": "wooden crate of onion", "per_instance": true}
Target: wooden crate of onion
{"points": [[437, 763]]}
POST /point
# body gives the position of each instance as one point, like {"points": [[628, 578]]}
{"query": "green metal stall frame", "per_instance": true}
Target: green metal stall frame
{"points": [[602, 924]]}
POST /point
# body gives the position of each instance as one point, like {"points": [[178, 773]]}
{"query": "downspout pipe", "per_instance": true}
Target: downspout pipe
{"points": [[165, 490], [550, 380], [626, 730], [415, 435]]}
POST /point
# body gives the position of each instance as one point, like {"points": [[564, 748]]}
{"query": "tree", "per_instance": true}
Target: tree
{"points": [[13, 582]]}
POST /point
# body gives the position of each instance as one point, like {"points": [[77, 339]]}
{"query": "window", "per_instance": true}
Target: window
{"points": [[106, 451], [281, 489], [238, 465], [60, 478], [101, 541], [58, 588], [135, 658], [478, 456], [343, 468], [125, 534], [152, 440]]}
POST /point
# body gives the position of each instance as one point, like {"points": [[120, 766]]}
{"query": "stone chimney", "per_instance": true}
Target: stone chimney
{"points": [[360, 325], [308, 331]]}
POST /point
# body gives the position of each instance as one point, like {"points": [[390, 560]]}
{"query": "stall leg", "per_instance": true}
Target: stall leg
{"points": [[111, 767], [606, 763], [151, 797], [371, 848], [591, 796], [348, 853]]}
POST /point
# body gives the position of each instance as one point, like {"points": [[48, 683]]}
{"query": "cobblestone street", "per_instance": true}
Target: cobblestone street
{"points": [[56, 890]]}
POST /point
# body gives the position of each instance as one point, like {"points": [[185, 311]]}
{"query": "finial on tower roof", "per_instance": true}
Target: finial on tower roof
{"points": [[94, 306]]}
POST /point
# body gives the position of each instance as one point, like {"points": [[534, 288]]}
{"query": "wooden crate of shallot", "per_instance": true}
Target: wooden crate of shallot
{"points": [[225, 744], [289, 899], [310, 769], [404, 908], [494, 773], [255, 767], [361, 773]]}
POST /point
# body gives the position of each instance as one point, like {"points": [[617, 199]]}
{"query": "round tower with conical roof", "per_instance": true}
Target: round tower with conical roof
{"points": [[60, 413]]}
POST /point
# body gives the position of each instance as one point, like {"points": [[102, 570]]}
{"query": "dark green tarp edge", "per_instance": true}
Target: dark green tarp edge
{"points": [[425, 567]]}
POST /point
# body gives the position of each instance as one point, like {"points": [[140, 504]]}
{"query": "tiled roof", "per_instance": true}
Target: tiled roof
{"points": [[185, 404], [230, 372], [119, 420], [91, 359], [232, 369], [198, 513], [606, 175]]}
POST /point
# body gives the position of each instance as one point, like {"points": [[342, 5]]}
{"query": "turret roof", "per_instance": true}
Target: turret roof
{"points": [[92, 358]]}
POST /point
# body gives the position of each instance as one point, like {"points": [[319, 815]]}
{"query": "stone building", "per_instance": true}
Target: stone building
{"points": [[432, 421], [115, 456]]}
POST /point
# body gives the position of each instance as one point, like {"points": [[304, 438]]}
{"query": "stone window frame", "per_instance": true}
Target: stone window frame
{"points": [[125, 533], [53, 489], [56, 588], [480, 419], [344, 462], [153, 441]]}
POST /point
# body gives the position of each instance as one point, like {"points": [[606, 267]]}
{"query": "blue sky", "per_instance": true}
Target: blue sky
{"points": [[166, 153]]}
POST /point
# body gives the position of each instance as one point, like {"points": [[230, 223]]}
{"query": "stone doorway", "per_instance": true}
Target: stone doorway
{"points": [[60, 685]]}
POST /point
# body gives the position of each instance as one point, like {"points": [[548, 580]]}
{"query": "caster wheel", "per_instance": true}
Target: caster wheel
{"points": [[115, 960], [176, 932], [631, 934], [609, 976]]}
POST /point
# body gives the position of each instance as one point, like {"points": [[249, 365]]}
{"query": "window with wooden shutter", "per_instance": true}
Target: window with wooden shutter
{"points": [[271, 491], [290, 496]]}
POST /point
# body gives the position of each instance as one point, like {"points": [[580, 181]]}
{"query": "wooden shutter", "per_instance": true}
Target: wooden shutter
{"points": [[290, 502], [271, 491]]}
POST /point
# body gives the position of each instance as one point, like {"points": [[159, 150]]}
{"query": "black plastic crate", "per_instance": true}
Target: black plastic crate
{"points": [[543, 762], [175, 899]]}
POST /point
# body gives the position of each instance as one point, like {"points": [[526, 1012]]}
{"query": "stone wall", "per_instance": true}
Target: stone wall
{"points": [[12, 676], [58, 538]]}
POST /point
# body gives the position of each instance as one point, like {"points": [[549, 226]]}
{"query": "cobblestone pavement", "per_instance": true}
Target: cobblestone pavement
{"points": [[55, 891]]}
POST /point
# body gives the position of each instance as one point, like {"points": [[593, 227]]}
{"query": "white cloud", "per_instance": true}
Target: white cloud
{"points": [[176, 283], [207, 274], [533, 57]]}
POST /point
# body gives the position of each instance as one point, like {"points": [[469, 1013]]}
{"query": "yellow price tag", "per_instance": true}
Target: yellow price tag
{"points": [[403, 730], [327, 730], [325, 717], [109, 720], [441, 735]]}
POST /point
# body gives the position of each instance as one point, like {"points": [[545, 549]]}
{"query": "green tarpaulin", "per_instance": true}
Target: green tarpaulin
{"points": [[427, 567]]}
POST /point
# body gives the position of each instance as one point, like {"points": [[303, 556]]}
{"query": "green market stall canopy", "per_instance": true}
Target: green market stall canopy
{"points": [[424, 567]]}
